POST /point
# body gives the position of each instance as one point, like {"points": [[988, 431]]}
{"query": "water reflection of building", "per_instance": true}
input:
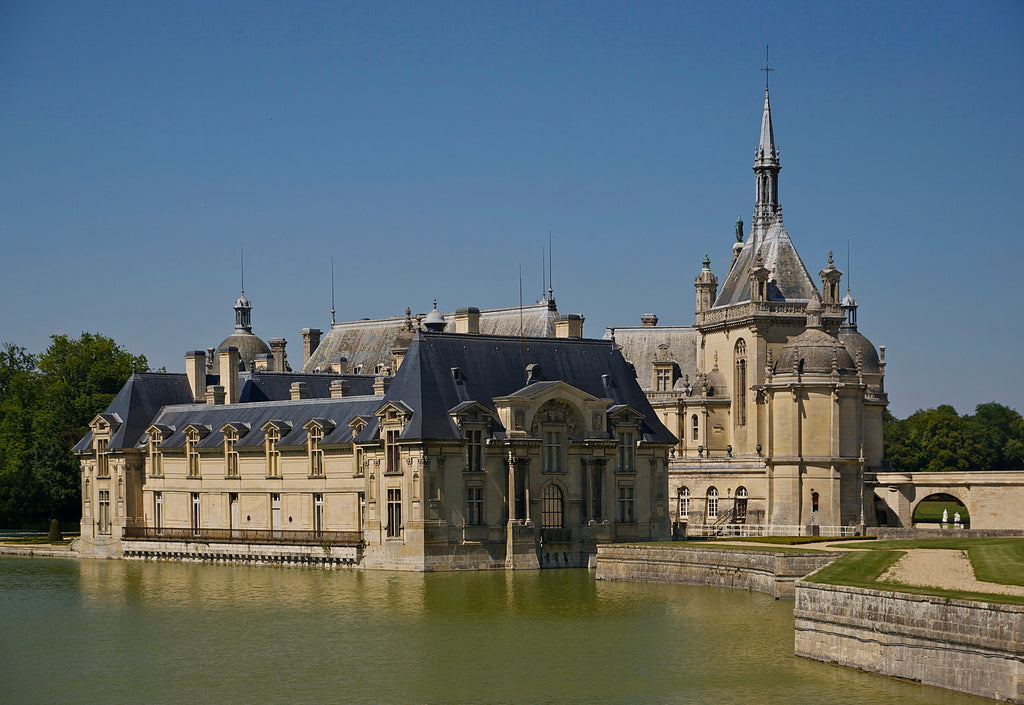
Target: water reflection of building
{"points": [[461, 448], [776, 398]]}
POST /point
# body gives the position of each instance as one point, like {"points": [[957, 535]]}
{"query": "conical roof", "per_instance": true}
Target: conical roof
{"points": [[789, 279]]}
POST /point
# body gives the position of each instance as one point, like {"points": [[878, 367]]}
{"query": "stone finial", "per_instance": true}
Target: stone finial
{"points": [[649, 320]]}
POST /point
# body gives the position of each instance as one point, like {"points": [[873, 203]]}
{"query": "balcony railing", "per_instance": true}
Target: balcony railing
{"points": [[331, 538], [555, 535]]}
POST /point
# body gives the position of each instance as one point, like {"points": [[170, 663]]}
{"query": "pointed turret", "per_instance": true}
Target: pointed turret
{"points": [[706, 284]]}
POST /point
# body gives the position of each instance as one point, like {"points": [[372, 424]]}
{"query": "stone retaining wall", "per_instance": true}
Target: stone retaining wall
{"points": [[774, 573], [896, 534], [972, 647]]}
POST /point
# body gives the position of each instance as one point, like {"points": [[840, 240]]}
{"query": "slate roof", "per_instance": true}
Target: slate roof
{"points": [[369, 342], [292, 413], [138, 403], [639, 345], [276, 386], [788, 281], [495, 366]]}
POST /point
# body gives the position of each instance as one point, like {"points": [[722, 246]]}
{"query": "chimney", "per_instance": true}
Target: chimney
{"points": [[339, 366], [398, 356], [381, 384], [211, 361], [299, 390], [467, 320], [263, 362], [339, 388], [215, 394], [310, 342], [195, 370], [277, 350], [569, 325], [227, 359], [649, 320]]}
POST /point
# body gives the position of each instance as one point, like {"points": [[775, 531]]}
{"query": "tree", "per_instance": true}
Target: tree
{"points": [[46, 403], [80, 379], [939, 439]]}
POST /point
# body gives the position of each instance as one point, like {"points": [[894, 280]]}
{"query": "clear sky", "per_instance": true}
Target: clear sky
{"points": [[430, 148]]}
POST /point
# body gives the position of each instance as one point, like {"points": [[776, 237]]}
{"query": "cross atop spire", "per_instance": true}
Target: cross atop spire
{"points": [[766, 69]]}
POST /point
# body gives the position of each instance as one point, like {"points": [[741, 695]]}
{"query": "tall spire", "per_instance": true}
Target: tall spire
{"points": [[766, 169]]}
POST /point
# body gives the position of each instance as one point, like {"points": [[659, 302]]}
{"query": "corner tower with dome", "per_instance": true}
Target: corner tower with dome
{"points": [[775, 395]]}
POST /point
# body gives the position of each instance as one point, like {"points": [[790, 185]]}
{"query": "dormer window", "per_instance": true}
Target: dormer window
{"points": [[316, 455], [273, 454], [663, 379]]}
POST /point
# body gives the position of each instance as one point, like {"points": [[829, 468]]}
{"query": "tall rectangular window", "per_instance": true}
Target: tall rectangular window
{"points": [[391, 451], [475, 506], [394, 513], [664, 380], [273, 454], [158, 511], [316, 455], [102, 458], [627, 513], [627, 451], [318, 513], [552, 451], [230, 455], [103, 516], [192, 456], [155, 458], [194, 519], [475, 450]]}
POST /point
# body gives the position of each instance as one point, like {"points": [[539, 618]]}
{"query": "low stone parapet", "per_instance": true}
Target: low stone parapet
{"points": [[971, 647], [901, 534], [771, 572]]}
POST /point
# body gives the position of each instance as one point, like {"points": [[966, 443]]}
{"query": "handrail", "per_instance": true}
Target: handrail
{"points": [[332, 538]]}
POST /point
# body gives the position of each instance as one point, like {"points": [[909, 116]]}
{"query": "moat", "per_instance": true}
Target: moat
{"points": [[90, 631]]}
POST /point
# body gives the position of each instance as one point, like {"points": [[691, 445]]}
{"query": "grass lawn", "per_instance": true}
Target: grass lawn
{"points": [[930, 511], [34, 541], [995, 560]]}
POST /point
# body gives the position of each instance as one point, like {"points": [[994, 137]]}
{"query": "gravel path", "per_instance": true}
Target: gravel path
{"points": [[943, 568]]}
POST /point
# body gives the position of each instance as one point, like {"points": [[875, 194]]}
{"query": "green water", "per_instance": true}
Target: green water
{"points": [[92, 631]]}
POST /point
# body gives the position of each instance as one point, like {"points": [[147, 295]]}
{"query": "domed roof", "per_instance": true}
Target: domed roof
{"points": [[848, 300], [249, 346], [855, 342], [242, 302], [812, 352], [434, 320]]}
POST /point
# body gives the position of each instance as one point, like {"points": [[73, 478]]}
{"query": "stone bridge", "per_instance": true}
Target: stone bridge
{"points": [[994, 500]]}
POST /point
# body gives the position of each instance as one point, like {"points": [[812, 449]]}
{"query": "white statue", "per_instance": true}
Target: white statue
{"points": [[956, 519], [945, 516]]}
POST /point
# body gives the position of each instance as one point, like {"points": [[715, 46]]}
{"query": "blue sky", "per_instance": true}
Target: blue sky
{"points": [[430, 147]]}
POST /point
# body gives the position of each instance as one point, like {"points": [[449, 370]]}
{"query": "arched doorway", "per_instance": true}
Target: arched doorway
{"points": [[941, 511]]}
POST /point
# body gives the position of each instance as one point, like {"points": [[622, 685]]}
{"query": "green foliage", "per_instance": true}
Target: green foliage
{"points": [[46, 403], [939, 439], [53, 536]]}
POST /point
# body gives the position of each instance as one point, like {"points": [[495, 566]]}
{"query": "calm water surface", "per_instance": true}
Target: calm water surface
{"points": [[93, 631]]}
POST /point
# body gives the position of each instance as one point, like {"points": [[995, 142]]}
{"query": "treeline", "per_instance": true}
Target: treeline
{"points": [[937, 440], [46, 403]]}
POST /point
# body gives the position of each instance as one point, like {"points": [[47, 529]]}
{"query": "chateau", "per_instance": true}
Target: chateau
{"points": [[775, 396], [502, 438], [459, 448]]}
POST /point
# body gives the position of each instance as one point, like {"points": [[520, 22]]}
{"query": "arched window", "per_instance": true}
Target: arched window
{"points": [[741, 504], [694, 428], [741, 382], [684, 503], [712, 503], [551, 507]]}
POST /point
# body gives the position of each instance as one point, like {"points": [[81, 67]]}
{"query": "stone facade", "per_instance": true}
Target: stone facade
{"points": [[993, 499], [776, 398], [480, 451]]}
